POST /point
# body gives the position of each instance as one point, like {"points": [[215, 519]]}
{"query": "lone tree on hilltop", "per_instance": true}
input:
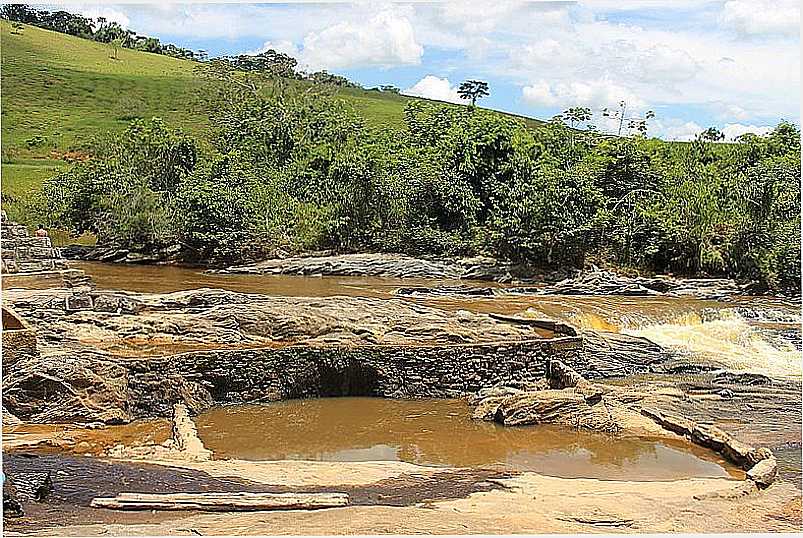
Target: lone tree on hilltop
{"points": [[473, 89], [712, 134]]}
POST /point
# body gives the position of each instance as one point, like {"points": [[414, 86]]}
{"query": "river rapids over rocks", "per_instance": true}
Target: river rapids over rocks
{"points": [[719, 357]]}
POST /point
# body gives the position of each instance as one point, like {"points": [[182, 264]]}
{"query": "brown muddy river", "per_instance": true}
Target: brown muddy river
{"points": [[440, 433]]}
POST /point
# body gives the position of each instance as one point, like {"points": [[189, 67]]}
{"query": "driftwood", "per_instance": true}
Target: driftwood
{"points": [[236, 501]]}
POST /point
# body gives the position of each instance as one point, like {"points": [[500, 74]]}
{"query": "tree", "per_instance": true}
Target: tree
{"points": [[19, 13], [637, 123], [115, 45], [577, 115], [712, 134], [473, 89]]}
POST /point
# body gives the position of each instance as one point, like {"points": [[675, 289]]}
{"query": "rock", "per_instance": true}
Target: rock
{"points": [[764, 472], [185, 436], [731, 378], [675, 424], [561, 376], [44, 488], [759, 454], [487, 409], [566, 407], [382, 265], [67, 388], [618, 355], [11, 506], [738, 452], [727, 394], [78, 301], [710, 437]]}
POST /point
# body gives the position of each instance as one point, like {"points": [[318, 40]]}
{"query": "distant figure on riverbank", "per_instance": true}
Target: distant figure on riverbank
{"points": [[41, 232]]}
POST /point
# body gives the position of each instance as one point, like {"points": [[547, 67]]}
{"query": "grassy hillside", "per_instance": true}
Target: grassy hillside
{"points": [[58, 91]]}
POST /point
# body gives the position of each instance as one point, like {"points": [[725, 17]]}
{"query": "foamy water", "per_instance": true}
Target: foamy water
{"points": [[728, 339]]}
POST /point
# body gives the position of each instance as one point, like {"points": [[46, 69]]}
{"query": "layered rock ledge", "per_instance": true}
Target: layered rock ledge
{"points": [[113, 356]]}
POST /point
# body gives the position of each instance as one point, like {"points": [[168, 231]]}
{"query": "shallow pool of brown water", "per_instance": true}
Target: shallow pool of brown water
{"points": [[440, 433]]}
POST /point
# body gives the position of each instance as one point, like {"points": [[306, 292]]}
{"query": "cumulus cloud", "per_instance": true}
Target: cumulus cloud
{"points": [[384, 40], [684, 130], [734, 61], [594, 94], [675, 129], [93, 11], [432, 87], [283, 46], [756, 17], [734, 130]]}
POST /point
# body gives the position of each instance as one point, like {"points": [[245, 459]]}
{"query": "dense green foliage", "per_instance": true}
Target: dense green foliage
{"points": [[300, 170]]}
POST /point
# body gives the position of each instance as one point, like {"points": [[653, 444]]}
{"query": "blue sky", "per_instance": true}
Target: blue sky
{"points": [[732, 64]]}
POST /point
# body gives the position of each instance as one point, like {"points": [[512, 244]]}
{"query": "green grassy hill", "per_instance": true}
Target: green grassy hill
{"points": [[58, 91]]}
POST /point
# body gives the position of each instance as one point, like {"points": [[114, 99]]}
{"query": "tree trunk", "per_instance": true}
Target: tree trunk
{"points": [[235, 501]]}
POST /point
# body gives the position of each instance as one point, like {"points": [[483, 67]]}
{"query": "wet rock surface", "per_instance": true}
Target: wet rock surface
{"points": [[597, 282], [77, 480], [225, 318], [759, 411]]}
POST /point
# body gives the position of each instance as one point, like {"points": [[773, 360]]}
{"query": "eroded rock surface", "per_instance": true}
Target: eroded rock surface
{"points": [[113, 356], [388, 265], [229, 319]]}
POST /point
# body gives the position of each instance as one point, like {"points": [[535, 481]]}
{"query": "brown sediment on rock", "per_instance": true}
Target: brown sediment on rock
{"points": [[338, 346]]}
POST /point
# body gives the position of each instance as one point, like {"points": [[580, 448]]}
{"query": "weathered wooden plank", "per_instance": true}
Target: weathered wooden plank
{"points": [[222, 501]]}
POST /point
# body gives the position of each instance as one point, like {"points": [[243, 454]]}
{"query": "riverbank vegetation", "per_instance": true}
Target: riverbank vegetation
{"points": [[291, 169]]}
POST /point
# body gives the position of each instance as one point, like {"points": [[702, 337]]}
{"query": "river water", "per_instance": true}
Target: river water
{"points": [[441, 432], [752, 334], [759, 335]]}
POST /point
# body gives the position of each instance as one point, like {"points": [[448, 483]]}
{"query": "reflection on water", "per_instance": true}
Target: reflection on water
{"points": [[439, 432]]}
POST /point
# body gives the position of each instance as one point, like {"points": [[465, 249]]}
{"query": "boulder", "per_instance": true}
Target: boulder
{"points": [[764, 472]]}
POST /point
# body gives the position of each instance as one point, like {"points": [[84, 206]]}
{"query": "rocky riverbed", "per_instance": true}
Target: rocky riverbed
{"points": [[106, 357]]}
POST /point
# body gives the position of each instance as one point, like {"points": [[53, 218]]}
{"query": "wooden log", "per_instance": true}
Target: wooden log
{"points": [[235, 501]]}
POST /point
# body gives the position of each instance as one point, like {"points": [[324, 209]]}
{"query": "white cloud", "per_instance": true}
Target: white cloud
{"points": [[675, 129], [283, 46], [735, 61], [384, 40], [731, 112], [93, 11], [595, 94], [757, 17], [733, 130], [432, 87]]}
